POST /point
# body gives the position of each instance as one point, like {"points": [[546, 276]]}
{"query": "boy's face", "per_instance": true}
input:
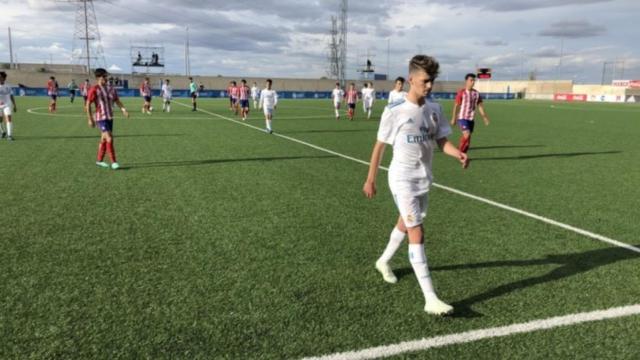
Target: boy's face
{"points": [[420, 83], [2, 79], [399, 85], [470, 82], [102, 80]]}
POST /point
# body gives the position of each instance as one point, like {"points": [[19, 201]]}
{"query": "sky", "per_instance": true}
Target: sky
{"points": [[570, 39]]}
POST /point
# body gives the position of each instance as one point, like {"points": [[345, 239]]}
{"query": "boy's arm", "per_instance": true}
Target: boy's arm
{"points": [[448, 148], [121, 106], [89, 111], [369, 188], [453, 114], [13, 101], [483, 114]]}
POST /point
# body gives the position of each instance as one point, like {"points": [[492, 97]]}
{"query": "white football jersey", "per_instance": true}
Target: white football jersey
{"points": [[412, 130], [368, 93], [268, 98], [5, 95], [395, 96], [167, 91], [255, 92], [337, 95]]}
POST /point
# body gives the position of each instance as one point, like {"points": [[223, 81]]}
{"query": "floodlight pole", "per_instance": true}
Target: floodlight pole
{"points": [[10, 50]]}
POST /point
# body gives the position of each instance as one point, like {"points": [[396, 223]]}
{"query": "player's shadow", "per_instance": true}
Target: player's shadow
{"points": [[160, 164], [476, 148], [568, 265], [49, 137], [332, 131], [540, 156]]}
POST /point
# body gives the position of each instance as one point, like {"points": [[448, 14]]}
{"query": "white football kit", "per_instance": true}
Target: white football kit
{"points": [[167, 91], [268, 100], [6, 106], [368, 95], [255, 93], [412, 130], [395, 96], [337, 95]]}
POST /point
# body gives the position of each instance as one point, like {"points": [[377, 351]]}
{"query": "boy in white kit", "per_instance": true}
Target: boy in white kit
{"points": [[368, 96], [7, 106], [255, 94], [268, 102], [398, 92], [413, 127], [166, 94], [337, 95]]}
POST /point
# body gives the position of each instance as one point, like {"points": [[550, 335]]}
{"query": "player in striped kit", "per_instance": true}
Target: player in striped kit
{"points": [[368, 97], [268, 102], [234, 92], [243, 96], [337, 95], [7, 106], [52, 91], [84, 90], [352, 99], [467, 101], [145, 92], [103, 95]]}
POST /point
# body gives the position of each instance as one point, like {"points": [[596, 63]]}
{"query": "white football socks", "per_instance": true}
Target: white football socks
{"points": [[268, 124], [337, 113], [418, 261], [395, 240], [9, 129]]}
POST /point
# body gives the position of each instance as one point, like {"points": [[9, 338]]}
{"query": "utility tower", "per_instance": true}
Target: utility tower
{"points": [[338, 43], [87, 45]]}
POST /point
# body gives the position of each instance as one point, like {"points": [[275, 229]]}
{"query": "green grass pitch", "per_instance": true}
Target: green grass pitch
{"points": [[215, 240]]}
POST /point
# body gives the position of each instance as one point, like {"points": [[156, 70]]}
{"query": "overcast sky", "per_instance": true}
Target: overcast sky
{"points": [[287, 38]]}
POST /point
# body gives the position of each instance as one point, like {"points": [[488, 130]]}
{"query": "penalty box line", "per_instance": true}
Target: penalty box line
{"points": [[540, 218]]}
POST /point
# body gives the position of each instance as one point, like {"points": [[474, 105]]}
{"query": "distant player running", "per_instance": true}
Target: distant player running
{"points": [[243, 97], [414, 127], [229, 94], [255, 95], [167, 94], [7, 106], [145, 92], [193, 93], [103, 96], [268, 102], [398, 93], [337, 95], [52, 91], [368, 97], [467, 100], [352, 99], [235, 93]]}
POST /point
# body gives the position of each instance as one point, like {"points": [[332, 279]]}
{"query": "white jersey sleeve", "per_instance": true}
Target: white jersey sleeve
{"points": [[387, 129], [437, 117]]}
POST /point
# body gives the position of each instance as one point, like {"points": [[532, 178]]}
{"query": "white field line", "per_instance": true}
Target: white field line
{"points": [[447, 188], [475, 335]]}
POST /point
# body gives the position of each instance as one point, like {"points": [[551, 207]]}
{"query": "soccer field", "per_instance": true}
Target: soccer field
{"points": [[216, 240]]}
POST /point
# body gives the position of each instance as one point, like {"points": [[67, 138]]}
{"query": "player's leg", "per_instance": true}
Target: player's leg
{"points": [[395, 240], [8, 123], [336, 107], [102, 145], [168, 105], [413, 211], [268, 115], [3, 132], [110, 147]]}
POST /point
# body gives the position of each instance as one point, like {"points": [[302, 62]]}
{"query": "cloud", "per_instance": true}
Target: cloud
{"points": [[573, 29], [546, 52], [495, 43], [515, 5]]}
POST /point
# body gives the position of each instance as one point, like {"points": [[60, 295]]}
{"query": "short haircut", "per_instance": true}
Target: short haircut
{"points": [[167, 80], [243, 81], [470, 75], [190, 78], [100, 72], [3, 74], [146, 78], [425, 63], [269, 81], [400, 78], [337, 84], [86, 79], [52, 77], [352, 84], [366, 84], [233, 82]]}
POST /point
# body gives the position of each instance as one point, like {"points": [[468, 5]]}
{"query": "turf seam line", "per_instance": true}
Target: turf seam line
{"points": [[446, 188], [475, 335]]}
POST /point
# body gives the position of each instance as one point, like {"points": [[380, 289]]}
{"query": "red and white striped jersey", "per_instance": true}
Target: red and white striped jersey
{"points": [[244, 92], [103, 97], [351, 96], [235, 90], [84, 89], [52, 87], [145, 89], [468, 101]]}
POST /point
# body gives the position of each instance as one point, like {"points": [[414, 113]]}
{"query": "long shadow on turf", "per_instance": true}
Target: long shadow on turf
{"points": [[328, 131], [216, 161], [539, 156], [569, 265], [504, 147], [97, 136]]}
